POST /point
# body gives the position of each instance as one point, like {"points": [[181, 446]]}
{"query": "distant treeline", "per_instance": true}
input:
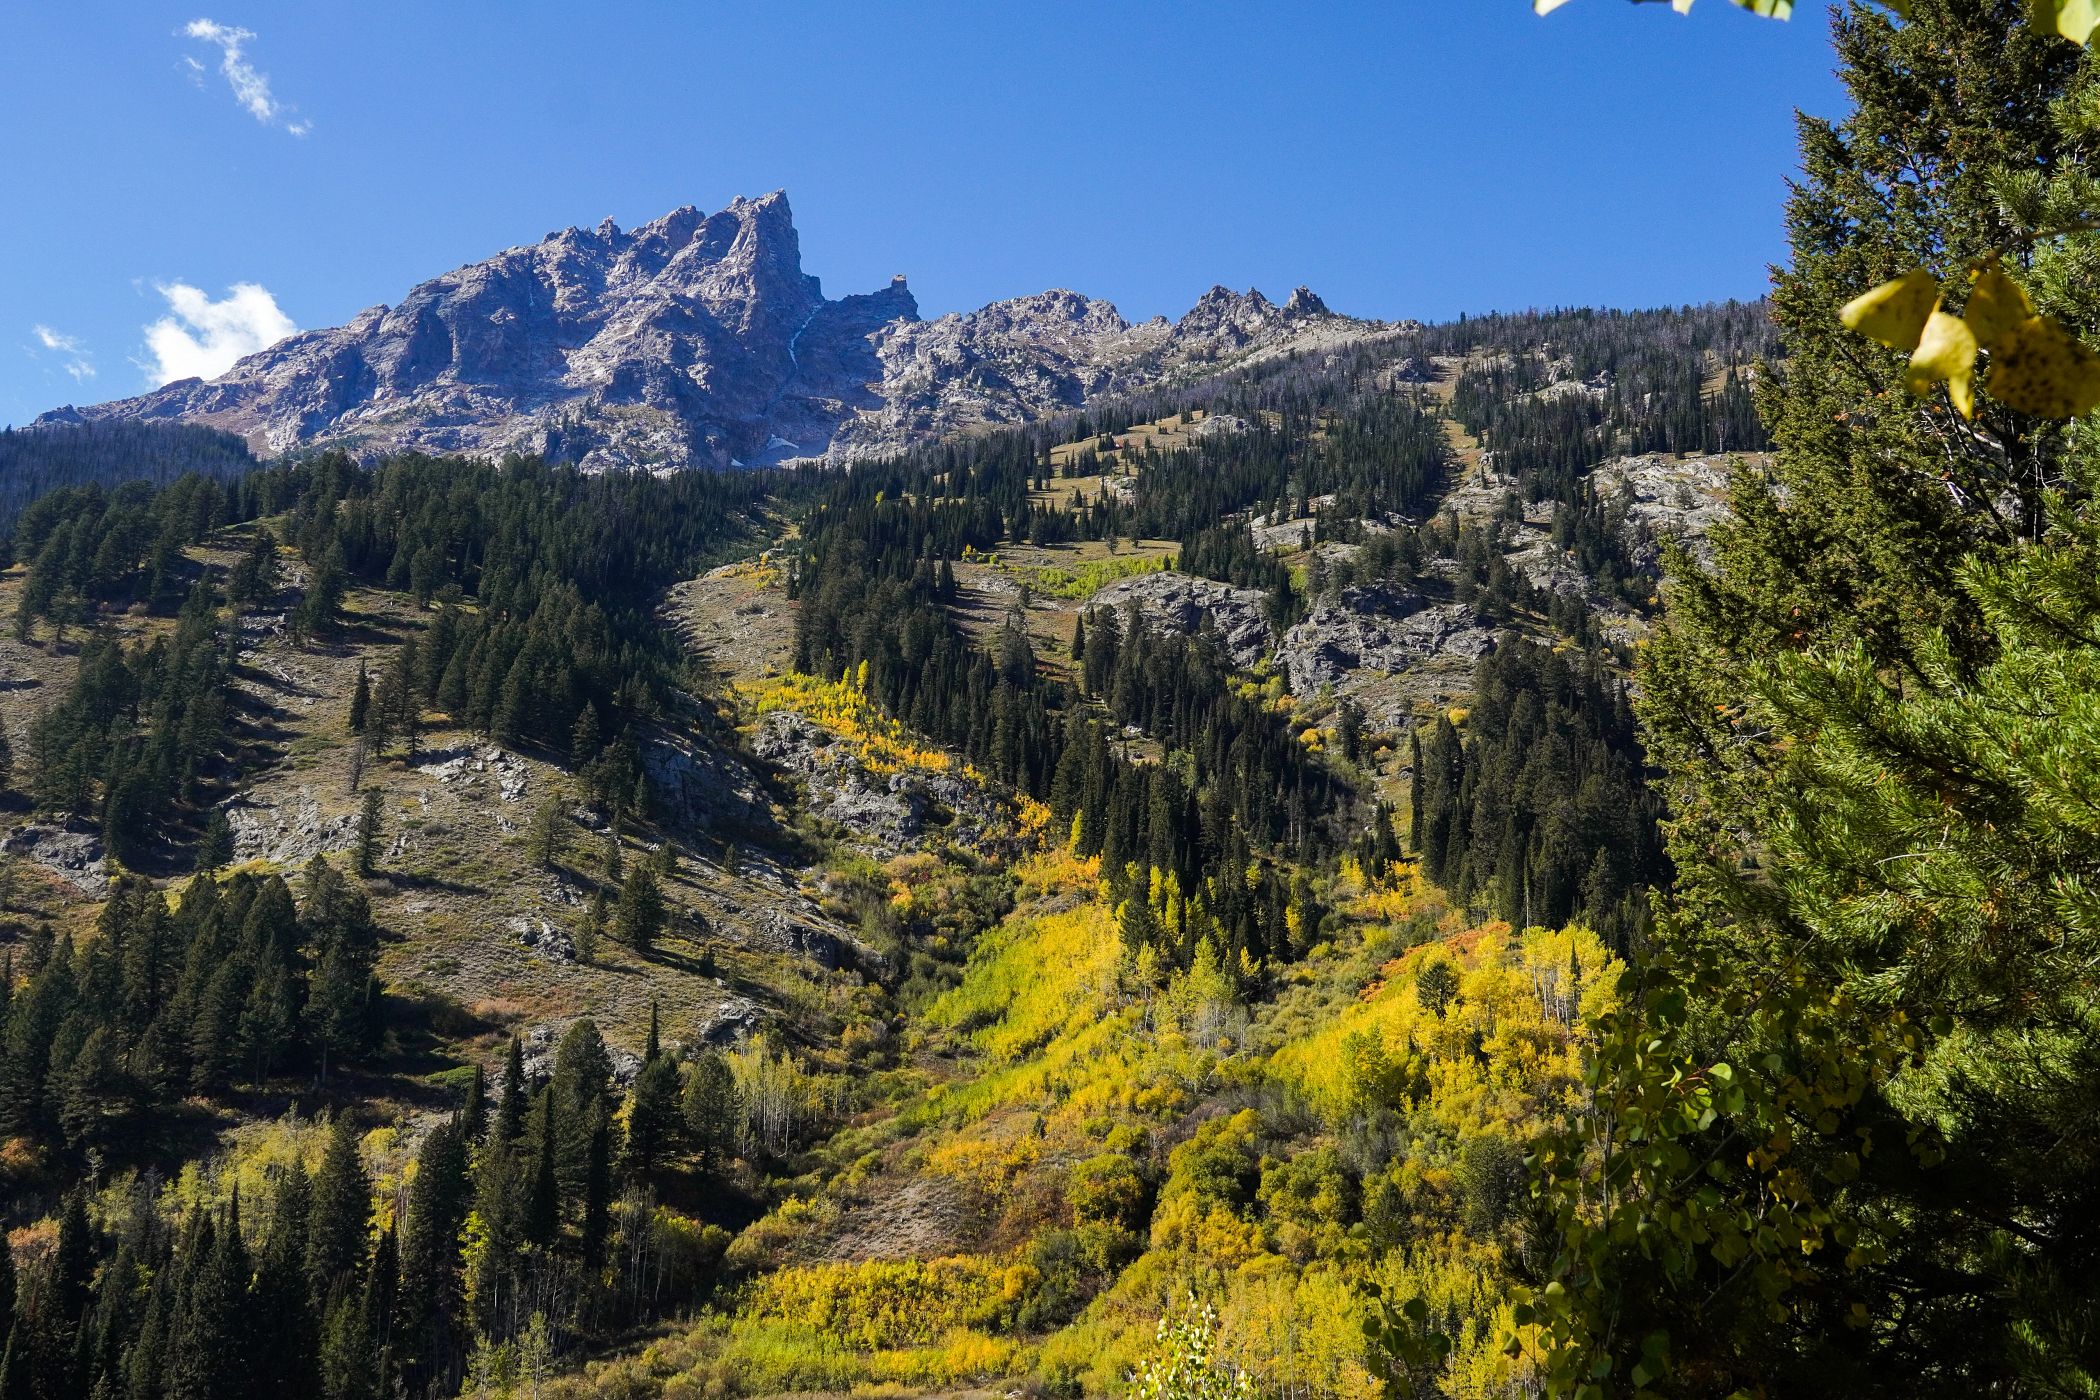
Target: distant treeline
{"points": [[34, 461]]}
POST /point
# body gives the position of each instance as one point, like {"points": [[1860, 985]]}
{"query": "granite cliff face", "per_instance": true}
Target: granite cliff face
{"points": [[697, 340]]}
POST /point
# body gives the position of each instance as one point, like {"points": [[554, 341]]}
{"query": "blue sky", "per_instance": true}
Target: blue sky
{"points": [[1402, 157]]}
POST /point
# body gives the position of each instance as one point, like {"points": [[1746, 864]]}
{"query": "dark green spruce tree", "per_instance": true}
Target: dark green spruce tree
{"points": [[1844, 1141]]}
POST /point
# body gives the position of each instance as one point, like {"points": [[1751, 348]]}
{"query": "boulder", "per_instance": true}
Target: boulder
{"points": [[731, 1022], [543, 940]]}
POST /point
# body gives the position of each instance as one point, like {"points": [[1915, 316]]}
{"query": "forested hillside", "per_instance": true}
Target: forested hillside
{"points": [[822, 876], [1545, 854], [33, 464]]}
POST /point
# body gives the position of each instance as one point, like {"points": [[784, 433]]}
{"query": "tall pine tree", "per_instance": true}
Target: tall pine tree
{"points": [[1838, 1146]]}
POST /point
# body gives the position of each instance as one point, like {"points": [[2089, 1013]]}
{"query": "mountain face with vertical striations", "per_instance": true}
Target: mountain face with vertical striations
{"points": [[697, 340]]}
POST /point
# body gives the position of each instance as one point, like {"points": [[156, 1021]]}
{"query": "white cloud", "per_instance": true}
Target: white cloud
{"points": [[202, 337], [251, 87], [79, 361]]}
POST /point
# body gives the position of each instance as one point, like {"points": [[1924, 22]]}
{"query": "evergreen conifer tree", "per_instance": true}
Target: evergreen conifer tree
{"points": [[709, 1108], [286, 1335], [543, 836], [639, 916], [431, 1298], [368, 833], [590, 929], [339, 1224], [360, 700], [540, 1222], [652, 1109], [1838, 1108], [7, 1294], [584, 740], [474, 1113], [595, 1227], [215, 845], [510, 1109]]}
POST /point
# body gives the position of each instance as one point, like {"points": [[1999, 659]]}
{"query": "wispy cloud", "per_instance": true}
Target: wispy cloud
{"points": [[251, 86], [76, 358], [202, 338]]}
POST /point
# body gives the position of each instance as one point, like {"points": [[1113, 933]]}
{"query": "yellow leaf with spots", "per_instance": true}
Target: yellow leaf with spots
{"points": [[1997, 307], [2040, 368], [1947, 350], [1894, 313]]}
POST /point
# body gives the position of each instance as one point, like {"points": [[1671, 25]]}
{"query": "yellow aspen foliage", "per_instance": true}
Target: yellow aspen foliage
{"points": [[880, 743], [894, 1302], [1894, 313], [2040, 368], [1946, 352], [1997, 307], [2037, 366]]}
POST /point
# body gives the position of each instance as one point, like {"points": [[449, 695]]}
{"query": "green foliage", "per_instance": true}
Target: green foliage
{"points": [[366, 849], [230, 988], [543, 836], [654, 1122], [638, 917], [2076, 20], [1183, 1364], [1409, 1353], [1828, 1151], [590, 928], [565, 585], [137, 732], [708, 1108], [1108, 1190], [255, 579], [1543, 811]]}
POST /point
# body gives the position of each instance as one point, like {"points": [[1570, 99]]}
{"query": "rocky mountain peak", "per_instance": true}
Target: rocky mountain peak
{"points": [[1240, 318], [697, 339]]}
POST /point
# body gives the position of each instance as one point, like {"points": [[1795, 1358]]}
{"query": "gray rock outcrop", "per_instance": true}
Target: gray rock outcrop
{"points": [[1376, 629], [543, 939], [887, 813], [289, 832], [73, 856], [1189, 604], [699, 786], [1662, 495]]}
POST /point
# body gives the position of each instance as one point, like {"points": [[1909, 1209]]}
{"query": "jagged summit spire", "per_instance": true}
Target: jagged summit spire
{"points": [[1305, 302]]}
